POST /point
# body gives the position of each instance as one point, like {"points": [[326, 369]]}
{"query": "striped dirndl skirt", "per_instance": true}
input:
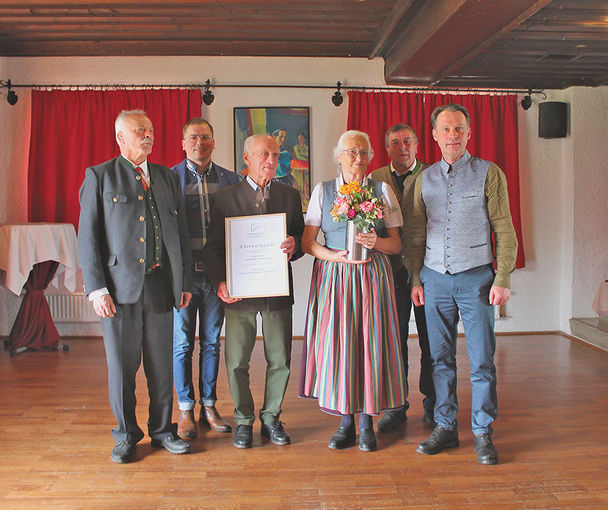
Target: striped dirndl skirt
{"points": [[351, 360]]}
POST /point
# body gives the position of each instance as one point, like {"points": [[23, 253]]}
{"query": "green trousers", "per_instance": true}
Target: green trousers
{"points": [[240, 340]]}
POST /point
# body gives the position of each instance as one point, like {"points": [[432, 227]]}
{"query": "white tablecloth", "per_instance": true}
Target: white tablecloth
{"points": [[23, 245]]}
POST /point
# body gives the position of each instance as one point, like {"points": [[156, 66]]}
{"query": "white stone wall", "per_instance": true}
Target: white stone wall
{"points": [[590, 195]]}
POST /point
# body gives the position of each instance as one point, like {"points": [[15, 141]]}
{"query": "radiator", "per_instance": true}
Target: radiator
{"points": [[71, 308]]}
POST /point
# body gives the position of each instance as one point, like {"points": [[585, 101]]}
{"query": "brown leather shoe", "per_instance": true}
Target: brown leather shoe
{"points": [[211, 417], [186, 426]]}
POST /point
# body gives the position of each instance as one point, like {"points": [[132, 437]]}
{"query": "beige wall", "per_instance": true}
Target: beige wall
{"points": [[562, 183]]}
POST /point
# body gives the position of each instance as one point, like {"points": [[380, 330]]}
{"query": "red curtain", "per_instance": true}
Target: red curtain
{"points": [[72, 130], [493, 131]]}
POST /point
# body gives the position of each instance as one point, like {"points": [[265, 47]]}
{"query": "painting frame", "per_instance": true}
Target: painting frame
{"points": [[290, 125]]}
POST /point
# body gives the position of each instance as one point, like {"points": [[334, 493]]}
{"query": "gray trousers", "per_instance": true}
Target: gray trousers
{"points": [[143, 329]]}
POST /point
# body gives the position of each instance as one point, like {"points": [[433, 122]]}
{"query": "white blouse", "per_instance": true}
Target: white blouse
{"points": [[392, 218]]}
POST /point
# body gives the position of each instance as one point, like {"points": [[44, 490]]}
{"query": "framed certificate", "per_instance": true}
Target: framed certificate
{"points": [[255, 264]]}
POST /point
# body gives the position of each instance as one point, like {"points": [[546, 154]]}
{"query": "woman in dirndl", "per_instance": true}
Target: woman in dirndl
{"points": [[351, 358]]}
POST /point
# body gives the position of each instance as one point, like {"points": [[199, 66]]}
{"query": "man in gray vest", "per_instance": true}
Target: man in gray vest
{"points": [[458, 203], [401, 146], [135, 257]]}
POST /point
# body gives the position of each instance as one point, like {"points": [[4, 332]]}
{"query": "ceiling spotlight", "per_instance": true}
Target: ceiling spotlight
{"points": [[337, 98], [526, 102], [208, 96], [11, 96]]}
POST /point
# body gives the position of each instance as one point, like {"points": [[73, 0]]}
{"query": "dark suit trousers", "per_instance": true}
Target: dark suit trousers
{"points": [[142, 329], [404, 308]]}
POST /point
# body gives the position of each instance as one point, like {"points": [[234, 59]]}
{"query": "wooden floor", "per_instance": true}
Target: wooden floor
{"points": [[551, 435]]}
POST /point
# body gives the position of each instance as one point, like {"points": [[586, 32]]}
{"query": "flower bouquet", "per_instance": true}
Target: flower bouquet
{"points": [[357, 205]]}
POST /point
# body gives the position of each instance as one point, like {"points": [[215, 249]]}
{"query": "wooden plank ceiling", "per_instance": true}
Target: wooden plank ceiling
{"points": [[433, 43]]}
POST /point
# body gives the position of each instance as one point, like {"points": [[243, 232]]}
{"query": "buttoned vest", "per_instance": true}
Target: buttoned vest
{"points": [[335, 233], [458, 235], [154, 233]]}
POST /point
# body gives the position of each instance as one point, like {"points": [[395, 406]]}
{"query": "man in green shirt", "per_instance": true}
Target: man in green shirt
{"points": [[459, 202]]}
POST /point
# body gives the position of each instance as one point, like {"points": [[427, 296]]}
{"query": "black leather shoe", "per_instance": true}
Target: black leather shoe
{"points": [[275, 432], [123, 452], [367, 440], [439, 440], [172, 444], [485, 449], [429, 421], [343, 438], [391, 419], [243, 436]]}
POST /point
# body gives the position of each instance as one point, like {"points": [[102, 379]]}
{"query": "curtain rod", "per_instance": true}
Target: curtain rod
{"points": [[338, 86]]}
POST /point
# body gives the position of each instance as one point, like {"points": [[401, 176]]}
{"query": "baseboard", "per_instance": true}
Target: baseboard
{"points": [[585, 343], [501, 333]]}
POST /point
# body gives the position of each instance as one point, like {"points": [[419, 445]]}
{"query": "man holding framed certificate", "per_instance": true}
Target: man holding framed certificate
{"points": [[255, 232]]}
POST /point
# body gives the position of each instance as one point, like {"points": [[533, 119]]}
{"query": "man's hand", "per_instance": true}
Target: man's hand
{"points": [[222, 293], [104, 306], [499, 295], [288, 246], [417, 296], [185, 299]]}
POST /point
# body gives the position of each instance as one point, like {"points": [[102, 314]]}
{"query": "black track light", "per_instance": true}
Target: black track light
{"points": [[11, 96], [208, 96], [526, 102], [337, 98]]}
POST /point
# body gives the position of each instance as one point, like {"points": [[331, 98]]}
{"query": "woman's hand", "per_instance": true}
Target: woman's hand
{"points": [[367, 239], [340, 256]]}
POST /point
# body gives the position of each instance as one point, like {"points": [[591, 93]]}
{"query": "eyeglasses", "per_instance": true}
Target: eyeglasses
{"points": [[202, 138], [353, 153]]}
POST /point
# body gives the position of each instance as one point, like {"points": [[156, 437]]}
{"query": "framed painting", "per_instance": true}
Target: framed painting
{"points": [[290, 126]]}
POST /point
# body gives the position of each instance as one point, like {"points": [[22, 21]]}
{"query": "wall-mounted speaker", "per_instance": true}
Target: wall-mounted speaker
{"points": [[553, 119]]}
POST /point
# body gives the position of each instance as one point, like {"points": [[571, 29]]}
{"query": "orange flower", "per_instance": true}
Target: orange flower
{"points": [[350, 188]]}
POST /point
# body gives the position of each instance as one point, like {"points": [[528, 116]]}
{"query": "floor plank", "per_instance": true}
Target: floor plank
{"points": [[553, 393]]}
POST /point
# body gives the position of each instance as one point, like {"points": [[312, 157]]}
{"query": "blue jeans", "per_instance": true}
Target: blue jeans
{"points": [[445, 295], [211, 316]]}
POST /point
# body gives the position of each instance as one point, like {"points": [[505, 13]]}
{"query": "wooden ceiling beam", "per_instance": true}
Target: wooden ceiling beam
{"points": [[517, 56], [558, 37], [430, 18], [162, 6], [111, 35], [284, 31], [208, 15], [506, 69], [445, 34], [396, 18], [134, 4], [200, 48], [601, 80]]}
